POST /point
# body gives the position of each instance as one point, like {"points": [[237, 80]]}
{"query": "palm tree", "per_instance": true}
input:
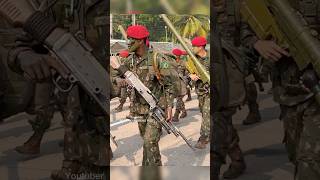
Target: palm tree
{"points": [[192, 25]]}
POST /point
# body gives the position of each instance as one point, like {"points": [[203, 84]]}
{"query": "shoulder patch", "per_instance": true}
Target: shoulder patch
{"points": [[164, 65]]}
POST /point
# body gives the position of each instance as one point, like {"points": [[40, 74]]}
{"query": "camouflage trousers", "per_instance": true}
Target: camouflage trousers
{"points": [[150, 131], [302, 138], [43, 107], [180, 104], [85, 138], [251, 97], [266, 70], [123, 95], [204, 105], [225, 137]]}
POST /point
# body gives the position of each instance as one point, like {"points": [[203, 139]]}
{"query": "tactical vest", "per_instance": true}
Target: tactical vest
{"points": [[144, 69]]}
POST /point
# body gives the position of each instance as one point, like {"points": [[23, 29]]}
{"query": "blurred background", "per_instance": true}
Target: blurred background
{"points": [[160, 6], [161, 173]]}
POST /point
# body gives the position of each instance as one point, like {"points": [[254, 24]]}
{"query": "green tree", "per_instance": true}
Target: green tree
{"points": [[190, 26]]}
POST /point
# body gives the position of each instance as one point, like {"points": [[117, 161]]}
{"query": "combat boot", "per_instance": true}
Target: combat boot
{"points": [[32, 145], [183, 114], [175, 117], [253, 116], [69, 169], [202, 143], [189, 97], [237, 166]]}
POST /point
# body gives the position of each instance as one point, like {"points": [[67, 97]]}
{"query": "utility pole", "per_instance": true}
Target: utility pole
{"points": [[166, 28], [133, 19]]}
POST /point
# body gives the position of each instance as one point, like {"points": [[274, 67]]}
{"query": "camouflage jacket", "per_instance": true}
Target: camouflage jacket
{"points": [[163, 88], [179, 73], [181, 68], [201, 87], [232, 29]]}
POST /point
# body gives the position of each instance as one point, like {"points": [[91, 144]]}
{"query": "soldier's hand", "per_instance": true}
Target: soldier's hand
{"points": [[114, 62], [194, 77], [38, 66], [270, 50]]}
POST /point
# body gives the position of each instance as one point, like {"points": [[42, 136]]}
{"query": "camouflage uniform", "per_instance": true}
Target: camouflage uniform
{"points": [[203, 92], [300, 112], [266, 70], [182, 89], [123, 98], [251, 99], [225, 137], [86, 141], [164, 91]]}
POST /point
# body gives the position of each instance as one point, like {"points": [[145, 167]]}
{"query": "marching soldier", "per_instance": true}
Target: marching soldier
{"points": [[181, 69], [203, 91], [233, 33], [300, 112], [154, 70]]}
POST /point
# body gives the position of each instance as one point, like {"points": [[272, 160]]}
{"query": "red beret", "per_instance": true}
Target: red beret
{"points": [[137, 32], [199, 41], [184, 52], [124, 53], [177, 52]]}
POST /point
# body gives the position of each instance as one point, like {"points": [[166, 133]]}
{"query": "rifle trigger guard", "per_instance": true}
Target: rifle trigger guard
{"points": [[58, 79]]}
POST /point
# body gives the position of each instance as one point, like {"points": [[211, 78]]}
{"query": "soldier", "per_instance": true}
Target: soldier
{"points": [[123, 87], [155, 72], [202, 89], [300, 112], [233, 33], [86, 135], [181, 69]]}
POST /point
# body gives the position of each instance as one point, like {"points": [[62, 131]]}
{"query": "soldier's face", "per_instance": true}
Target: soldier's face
{"points": [[196, 49], [134, 44]]}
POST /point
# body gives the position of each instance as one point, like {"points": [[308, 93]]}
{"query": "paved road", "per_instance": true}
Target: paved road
{"points": [[265, 155], [173, 150], [262, 143]]}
